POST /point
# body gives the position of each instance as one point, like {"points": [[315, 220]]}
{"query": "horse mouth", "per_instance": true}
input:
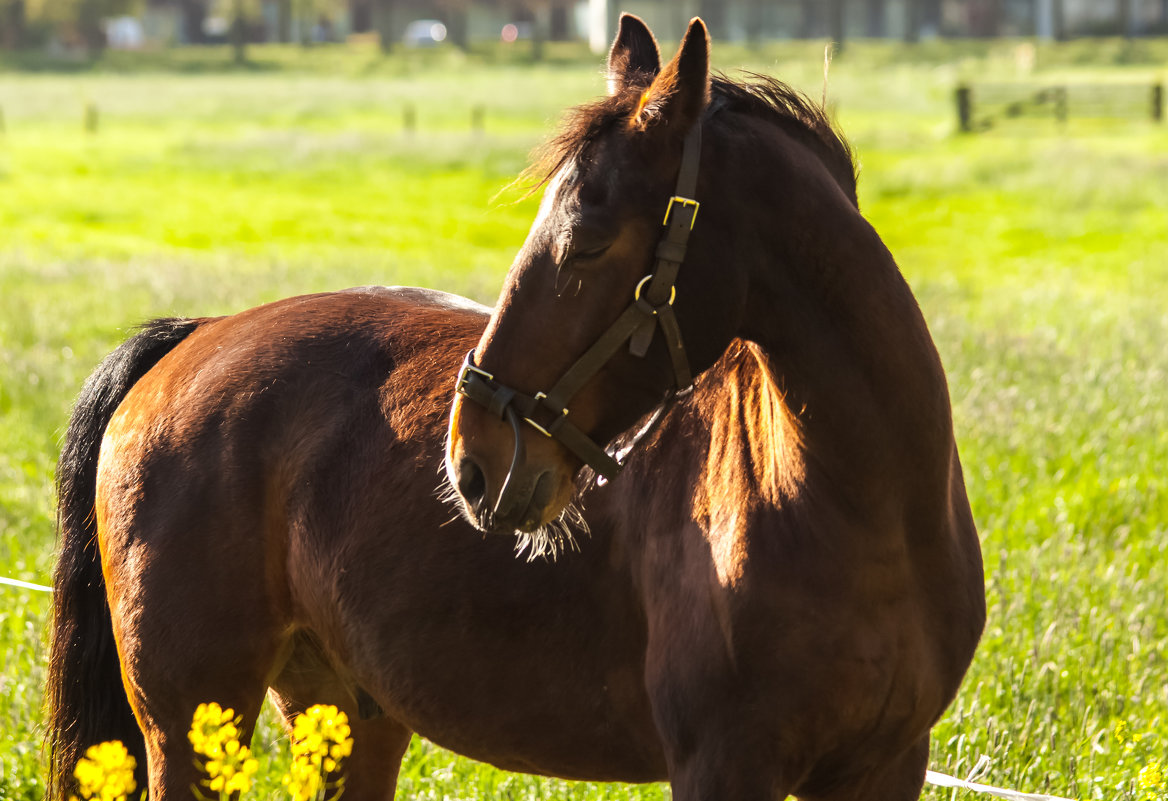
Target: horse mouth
{"points": [[538, 530], [528, 511], [541, 500]]}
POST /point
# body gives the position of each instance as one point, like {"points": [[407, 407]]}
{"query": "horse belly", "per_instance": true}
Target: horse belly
{"points": [[532, 667]]}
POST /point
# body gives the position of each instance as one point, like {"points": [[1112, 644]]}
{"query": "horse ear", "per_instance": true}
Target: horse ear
{"points": [[680, 92], [634, 59]]}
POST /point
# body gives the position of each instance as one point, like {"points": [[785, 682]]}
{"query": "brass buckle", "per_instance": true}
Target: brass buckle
{"points": [[684, 201], [464, 379], [645, 280], [540, 396]]}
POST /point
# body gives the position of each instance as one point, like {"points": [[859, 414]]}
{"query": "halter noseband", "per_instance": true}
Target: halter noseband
{"points": [[652, 305]]}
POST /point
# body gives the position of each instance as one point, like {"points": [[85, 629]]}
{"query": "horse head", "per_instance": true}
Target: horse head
{"points": [[589, 258], [612, 306]]}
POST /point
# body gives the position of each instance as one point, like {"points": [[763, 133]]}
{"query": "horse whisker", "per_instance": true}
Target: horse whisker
{"points": [[550, 540]]}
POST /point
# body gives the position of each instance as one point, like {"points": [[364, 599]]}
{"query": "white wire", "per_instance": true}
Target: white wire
{"points": [[25, 585], [941, 780]]}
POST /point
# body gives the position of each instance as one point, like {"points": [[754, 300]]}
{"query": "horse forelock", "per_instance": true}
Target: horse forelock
{"points": [[580, 128]]}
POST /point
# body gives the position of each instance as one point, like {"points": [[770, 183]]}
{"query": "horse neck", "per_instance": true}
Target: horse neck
{"points": [[863, 397]]}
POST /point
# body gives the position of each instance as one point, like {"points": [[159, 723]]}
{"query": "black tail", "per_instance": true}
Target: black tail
{"points": [[84, 694]]}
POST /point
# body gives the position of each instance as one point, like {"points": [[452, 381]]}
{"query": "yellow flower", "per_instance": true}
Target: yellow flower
{"points": [[1151, 776], [106, 773], [321, 739], [303, 781], [214, 735]]}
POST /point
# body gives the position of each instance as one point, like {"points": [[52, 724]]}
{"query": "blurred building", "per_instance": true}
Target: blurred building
{"points": [[466, 21], [735, 20], [903, 19]]}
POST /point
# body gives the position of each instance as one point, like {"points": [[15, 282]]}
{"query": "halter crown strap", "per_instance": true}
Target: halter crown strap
{"points": [[652, 305], [680, 217]]}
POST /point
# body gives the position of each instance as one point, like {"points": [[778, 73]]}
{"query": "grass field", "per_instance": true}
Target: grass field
{"points": [[1039, 254]]}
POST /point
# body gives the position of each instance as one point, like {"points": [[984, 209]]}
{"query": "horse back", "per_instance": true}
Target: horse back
{"points": [[265, 415], [291, 455]]}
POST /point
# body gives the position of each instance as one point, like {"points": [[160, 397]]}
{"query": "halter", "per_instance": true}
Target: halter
{"points": [[652, 306]]}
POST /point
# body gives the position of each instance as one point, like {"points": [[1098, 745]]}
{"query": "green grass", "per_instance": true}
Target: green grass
{"points": [[1039, 254]]}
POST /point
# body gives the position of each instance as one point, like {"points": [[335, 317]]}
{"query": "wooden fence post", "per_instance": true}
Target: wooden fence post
{"points": [[1060, 103], [90, 117], [1157, 103], [964, 97], [477, 119], [409, 118]]}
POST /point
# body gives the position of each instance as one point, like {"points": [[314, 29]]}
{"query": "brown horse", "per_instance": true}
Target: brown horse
{"points": [[778, 595]]}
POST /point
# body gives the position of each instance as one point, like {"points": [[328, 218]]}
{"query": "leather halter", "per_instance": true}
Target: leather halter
{"points": [[652, 306]]}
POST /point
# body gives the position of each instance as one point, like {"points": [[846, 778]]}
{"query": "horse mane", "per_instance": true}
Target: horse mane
{"points": [[754, 451], [758, 96], [796, 114]]}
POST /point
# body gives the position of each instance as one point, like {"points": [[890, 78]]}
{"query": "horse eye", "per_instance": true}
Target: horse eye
{"points": [[586, 254], [587, 242]]}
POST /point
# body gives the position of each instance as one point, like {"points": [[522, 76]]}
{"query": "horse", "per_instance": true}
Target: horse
{"points": [[760, 576]]}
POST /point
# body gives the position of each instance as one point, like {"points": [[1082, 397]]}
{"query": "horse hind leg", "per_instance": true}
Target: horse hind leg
{"points": [[194, 618], [167, 677], [172, 665], [379, 743], [228, 650]]}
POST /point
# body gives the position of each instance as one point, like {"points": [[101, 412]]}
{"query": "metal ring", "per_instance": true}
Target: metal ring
{"points": [[637, 291]]}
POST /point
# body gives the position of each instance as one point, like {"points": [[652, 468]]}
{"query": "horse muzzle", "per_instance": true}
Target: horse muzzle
{"points": [[501, 489], [527, 500]]}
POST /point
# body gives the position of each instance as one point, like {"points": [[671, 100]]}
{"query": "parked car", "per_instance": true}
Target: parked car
{"points": [[424, 33]]}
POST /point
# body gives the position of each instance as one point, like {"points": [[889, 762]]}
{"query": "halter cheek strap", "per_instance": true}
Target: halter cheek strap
{"points": [[651, 307]]}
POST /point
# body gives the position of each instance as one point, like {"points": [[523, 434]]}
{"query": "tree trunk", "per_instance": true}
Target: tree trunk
{"points": [[876, 19], [284, 21], [238, 33], [991, 18], [912, 20], [1059, 18], [713, 13], [931, 15], [12, 25], [835, 22], [754, 22], [89, 26], [194, 14], [456, 25], [809, 20], [559, 23], [540, 22], [383, 22]]}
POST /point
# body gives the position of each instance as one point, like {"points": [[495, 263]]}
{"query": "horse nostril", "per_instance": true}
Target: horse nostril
{"points": [[472, 484]]}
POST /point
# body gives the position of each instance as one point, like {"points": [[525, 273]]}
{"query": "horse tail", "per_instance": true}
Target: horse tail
{"points": [[84, 695]]}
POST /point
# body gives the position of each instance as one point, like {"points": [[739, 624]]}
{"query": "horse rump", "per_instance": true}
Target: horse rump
{"points": [[85, 699]]}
